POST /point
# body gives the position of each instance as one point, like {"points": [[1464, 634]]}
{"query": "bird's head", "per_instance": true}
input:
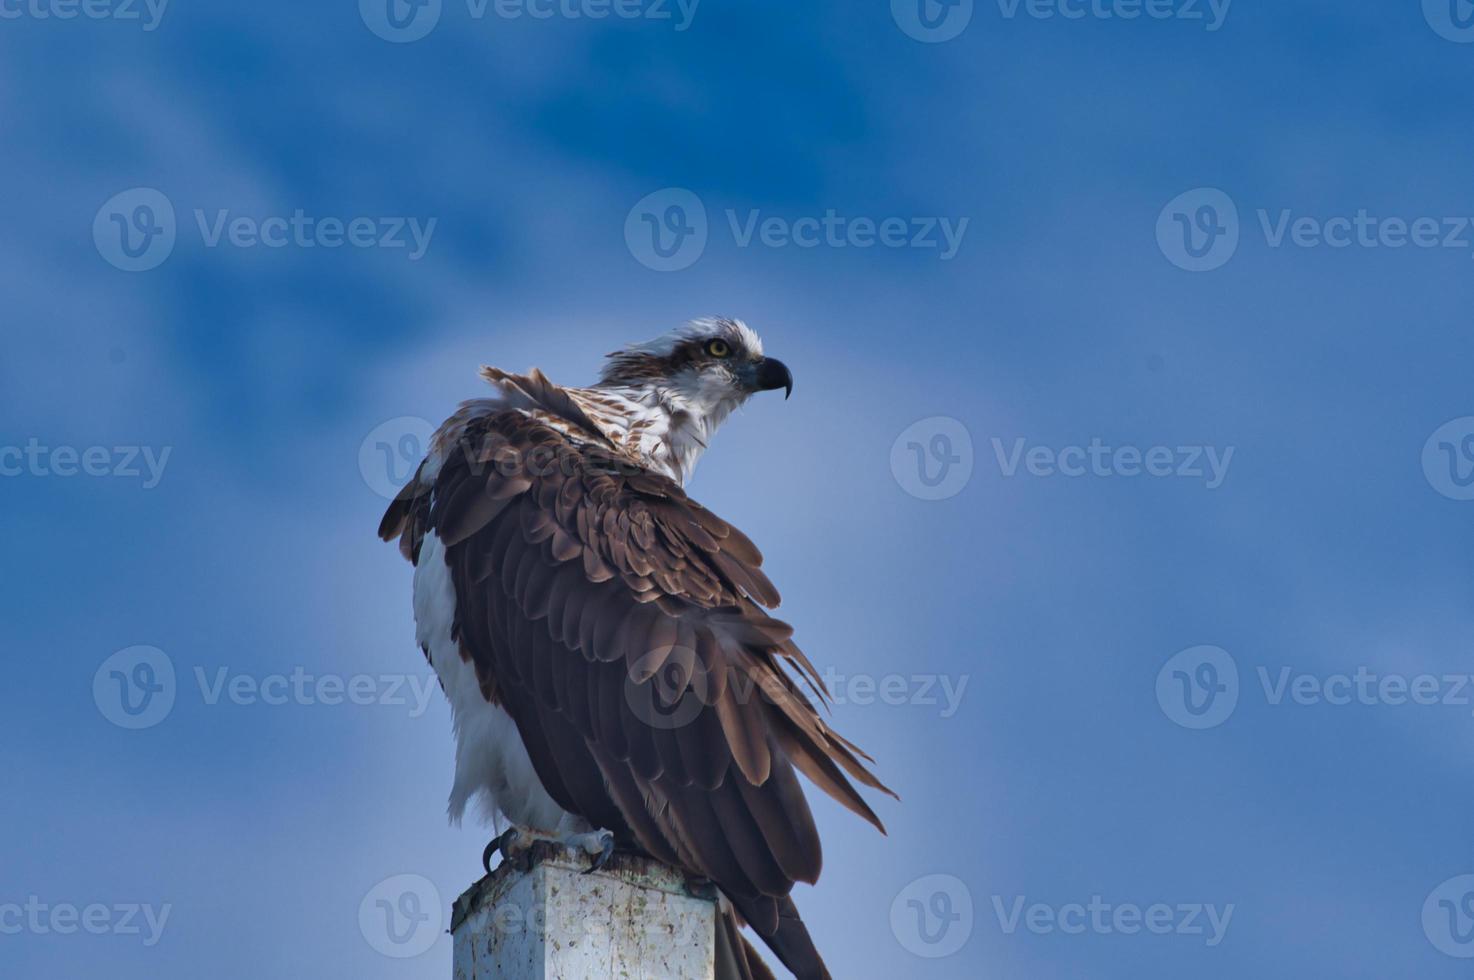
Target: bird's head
{"points": [[707, 367]]}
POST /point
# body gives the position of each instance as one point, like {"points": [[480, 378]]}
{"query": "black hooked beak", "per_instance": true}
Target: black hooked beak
{"points": [[772, 374]]}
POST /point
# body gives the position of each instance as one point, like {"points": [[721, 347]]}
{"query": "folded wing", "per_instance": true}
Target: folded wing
{"points": [[622, 626]]}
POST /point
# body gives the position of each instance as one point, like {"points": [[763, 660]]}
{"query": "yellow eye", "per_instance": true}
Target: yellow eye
{"points": [[718, 348]]}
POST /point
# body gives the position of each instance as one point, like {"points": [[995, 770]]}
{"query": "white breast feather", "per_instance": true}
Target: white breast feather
{"points": [[492, 764]]}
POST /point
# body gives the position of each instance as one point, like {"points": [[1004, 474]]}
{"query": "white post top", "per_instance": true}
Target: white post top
{"points": [[547, 917]]}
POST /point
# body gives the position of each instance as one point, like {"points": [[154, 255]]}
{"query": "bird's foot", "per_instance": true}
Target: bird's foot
{"points": [[597, 844], [516, 844]]}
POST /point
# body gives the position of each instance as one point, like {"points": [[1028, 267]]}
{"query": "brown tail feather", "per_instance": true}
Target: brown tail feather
{"points": [[735, 957], [790, 942]]}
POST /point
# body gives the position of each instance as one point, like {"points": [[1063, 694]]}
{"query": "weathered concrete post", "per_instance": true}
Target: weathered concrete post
{"points": [[546, 919]]}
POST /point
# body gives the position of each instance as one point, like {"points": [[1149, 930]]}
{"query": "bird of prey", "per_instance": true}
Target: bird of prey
{"points": [[602, 639]]}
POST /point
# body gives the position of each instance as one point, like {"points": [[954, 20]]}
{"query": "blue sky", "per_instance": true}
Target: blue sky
{"points": [[1333, 544]]}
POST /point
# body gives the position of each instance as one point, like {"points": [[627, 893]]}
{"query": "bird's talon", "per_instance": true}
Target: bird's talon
{"points": [[602, 859], [498, 843]]}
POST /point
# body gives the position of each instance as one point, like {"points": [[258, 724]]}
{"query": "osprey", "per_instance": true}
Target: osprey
{"points": [[602, 640]]}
